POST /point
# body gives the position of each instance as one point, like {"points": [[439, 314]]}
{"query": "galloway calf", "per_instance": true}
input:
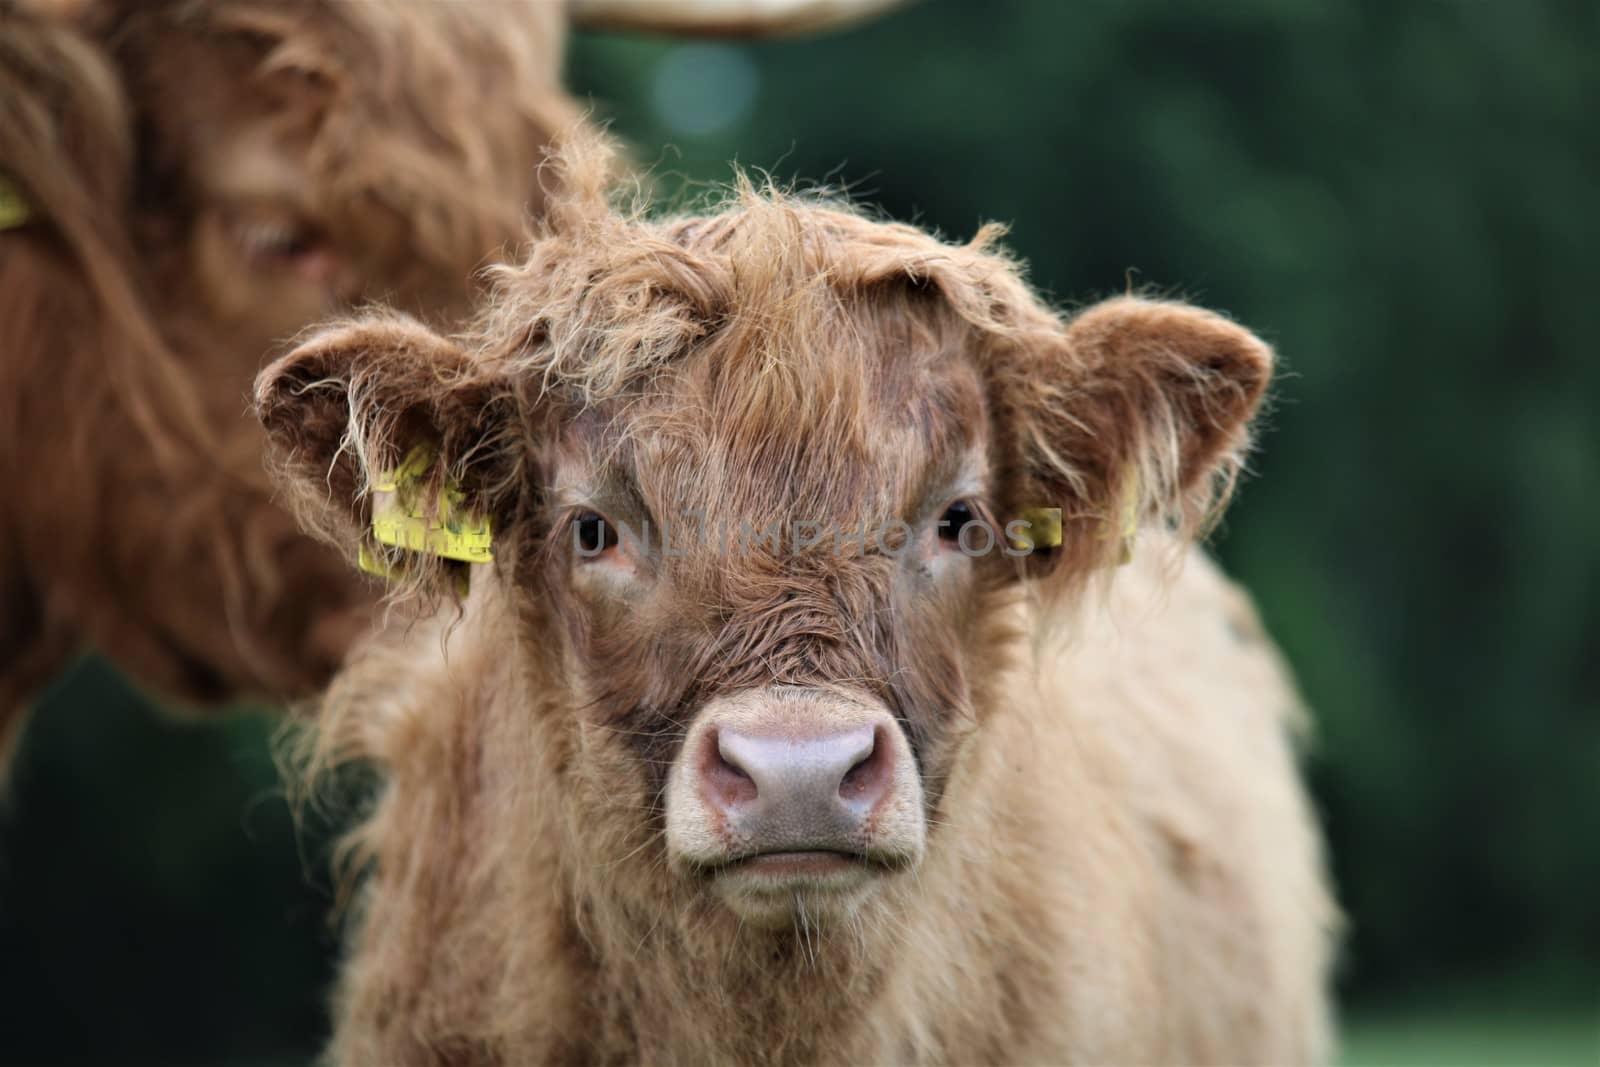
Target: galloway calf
{"points": [[786, 725]]}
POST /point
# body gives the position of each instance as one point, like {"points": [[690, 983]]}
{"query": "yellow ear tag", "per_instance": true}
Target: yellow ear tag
{"points": [[373, 563], [1127, 527], [397, 570], [1044, 529], [15, 210], [1044, 524], [401, 517]]}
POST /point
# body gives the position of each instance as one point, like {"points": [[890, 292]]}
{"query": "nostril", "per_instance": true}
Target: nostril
{"points": [[866, 782], [728, 782]]}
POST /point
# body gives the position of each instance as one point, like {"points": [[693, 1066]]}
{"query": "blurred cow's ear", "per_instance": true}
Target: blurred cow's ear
{"points": [[1135, 412], [362, 400]]}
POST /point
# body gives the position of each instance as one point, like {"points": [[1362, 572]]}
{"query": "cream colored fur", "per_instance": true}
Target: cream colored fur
{"points": [[1127, 873]]}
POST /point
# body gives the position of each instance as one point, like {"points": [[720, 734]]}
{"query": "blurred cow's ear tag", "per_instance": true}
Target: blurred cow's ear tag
{"points": [[404, 516], [15, 211]]}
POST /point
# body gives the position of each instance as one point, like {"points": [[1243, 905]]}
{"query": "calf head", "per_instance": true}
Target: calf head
{"points": [[756, 479]]}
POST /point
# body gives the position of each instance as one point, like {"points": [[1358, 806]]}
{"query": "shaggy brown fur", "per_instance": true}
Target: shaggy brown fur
{"points": [[1120, 866], [206, 179]]}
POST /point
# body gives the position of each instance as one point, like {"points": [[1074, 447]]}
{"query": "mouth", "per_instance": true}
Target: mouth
{"points": [[768, 888], [808, 865], [783, 874]]}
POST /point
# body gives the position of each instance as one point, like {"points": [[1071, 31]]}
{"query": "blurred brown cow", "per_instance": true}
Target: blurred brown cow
{"points": [[183, 185]]}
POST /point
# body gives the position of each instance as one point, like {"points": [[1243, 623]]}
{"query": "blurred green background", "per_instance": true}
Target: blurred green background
{"points": [[1401, 196]]}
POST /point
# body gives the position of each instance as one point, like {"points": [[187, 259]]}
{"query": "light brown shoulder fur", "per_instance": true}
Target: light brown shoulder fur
{"points": [[1127, 872]]}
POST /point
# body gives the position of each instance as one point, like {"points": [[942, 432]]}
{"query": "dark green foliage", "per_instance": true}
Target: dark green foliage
{"points": [[156, 904]]}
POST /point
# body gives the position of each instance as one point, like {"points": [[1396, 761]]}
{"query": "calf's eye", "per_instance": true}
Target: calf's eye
{"points": [[594, 533], [955, 517]]}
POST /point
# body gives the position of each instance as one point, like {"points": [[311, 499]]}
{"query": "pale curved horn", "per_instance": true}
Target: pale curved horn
{"points": [[725, 18]]}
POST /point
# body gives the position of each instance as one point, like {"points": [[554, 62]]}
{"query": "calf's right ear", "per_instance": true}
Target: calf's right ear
{"points": [[354, 401], [1136, 412]]}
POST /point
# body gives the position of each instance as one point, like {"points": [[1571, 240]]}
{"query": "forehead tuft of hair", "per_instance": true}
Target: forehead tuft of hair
{"points": [[612, 293]]}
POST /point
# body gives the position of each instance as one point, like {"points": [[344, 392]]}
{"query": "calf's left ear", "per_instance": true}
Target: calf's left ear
{"points": [[1136, 412], [361, 400]]}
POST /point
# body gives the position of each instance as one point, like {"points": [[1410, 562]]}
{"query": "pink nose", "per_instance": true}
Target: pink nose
{"points": [[790, 792]]}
